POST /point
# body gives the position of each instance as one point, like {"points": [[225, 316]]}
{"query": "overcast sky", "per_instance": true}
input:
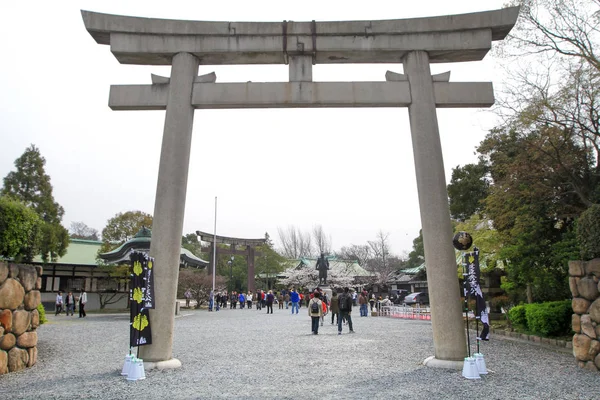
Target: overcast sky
{"points": [[349, 170]]}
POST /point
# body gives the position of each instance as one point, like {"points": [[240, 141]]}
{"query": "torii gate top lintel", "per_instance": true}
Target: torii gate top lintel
{"points": [[447, 38], [209, 237]]}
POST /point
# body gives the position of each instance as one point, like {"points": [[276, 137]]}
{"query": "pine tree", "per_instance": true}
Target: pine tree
{"points": [[31, 185]]}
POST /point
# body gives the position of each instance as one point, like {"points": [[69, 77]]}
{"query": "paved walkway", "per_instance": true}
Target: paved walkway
{"points": [[247, 354]]}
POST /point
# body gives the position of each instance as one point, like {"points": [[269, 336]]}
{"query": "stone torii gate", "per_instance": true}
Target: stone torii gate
{"points": [[249, 252], [415, 43]]}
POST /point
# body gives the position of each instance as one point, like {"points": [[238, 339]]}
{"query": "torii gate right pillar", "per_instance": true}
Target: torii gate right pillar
{"points": [[446, 315]]}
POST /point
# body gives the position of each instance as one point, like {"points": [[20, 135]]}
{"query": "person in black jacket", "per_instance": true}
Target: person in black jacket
{"points": [[345, 305]]}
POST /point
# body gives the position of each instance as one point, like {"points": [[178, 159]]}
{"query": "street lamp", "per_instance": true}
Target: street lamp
{"points": [[230, 263]]}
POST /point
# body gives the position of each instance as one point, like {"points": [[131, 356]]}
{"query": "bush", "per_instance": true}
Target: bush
{"points": [[42, 313], [517, 316], [549, 319], [588, 232]]}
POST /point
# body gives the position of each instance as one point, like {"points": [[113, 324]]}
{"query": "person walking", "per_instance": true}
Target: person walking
{"points": [[242, 300], [70, 303], [82, 301], [59, 303], [315, 312], [269, 298], [259, 293], [295, 298], [188, 297], [362, 301], [233, 300], [334, 308], [286, 298], [345, 303], [280, 301]]}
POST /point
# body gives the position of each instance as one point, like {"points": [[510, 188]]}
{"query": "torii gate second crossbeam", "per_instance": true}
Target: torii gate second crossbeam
{"points": [[250, 252]]}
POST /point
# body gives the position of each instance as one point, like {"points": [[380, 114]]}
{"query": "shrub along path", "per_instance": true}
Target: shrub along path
{"points": [[248, 354]]}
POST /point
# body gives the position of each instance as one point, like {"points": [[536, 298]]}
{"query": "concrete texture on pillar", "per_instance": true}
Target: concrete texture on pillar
{"points": [[301, 68], [169, 205], [448, 328]]}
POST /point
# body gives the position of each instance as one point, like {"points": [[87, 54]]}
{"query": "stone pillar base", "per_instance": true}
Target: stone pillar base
{"points": [[160, 365], [433, 362]]}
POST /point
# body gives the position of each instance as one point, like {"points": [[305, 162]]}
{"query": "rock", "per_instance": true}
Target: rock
{"points": [[3, 362], [587, 327], [576, 323], [17, 359], [587, 288], [11, 294], [1, 330], [573, 286], [8, 341], [594, 348], [580, 305], [592, 267], [590, 366], [27, 276], [13, 271], [38, 283], [597, 361], [35, 319], [21, 321], [39, 270], [581, 347], [3, 272], [597, 328], [594, 311], [32, 352], [6, 320], [32, 300], [29, 339], [576, 268]]}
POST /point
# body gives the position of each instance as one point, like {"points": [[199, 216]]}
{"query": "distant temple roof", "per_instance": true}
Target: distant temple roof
{"points": [[141, 242]]}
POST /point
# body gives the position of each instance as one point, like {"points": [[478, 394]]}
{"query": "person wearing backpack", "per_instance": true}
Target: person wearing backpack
{"points": [[315, 312], [345, 304]]}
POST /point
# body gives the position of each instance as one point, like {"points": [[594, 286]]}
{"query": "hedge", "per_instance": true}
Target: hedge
{"points": [[545, 319]]}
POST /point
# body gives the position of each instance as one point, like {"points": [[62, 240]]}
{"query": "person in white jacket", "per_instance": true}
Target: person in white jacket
{"points": [[82, 301]]}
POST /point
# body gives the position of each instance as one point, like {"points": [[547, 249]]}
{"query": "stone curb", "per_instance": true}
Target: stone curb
{"points": [[563, 344]]}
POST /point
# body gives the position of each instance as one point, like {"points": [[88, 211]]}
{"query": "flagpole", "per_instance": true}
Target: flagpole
{"points": [[466, 293], [477, 317], [214, 249]]}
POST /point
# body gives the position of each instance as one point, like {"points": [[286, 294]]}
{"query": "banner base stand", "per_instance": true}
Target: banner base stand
{"points": [[160, 365], [480, 362], [433, 362], [470, 369], [126, 365]]}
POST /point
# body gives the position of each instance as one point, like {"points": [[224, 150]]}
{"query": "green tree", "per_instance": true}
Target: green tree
{"points": [[122, 227], [31, 185], [468, 187], [417, 255], [19, 227], [191, 243], [269, 264]]}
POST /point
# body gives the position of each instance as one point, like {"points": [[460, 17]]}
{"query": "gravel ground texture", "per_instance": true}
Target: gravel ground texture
{"points": [[248, 354]]}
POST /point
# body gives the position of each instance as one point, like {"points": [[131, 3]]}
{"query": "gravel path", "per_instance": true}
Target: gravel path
{"points": [[247, 354]]}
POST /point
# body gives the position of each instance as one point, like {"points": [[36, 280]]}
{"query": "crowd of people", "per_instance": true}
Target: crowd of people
{"points": [[318, 302]]}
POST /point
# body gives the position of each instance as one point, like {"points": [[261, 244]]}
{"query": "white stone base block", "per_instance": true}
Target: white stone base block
{"points": [[160, 365], [433, 362]]}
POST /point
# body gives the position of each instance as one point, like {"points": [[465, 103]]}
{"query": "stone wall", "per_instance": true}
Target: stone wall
{"points": [[19, 297], [584, 281]]}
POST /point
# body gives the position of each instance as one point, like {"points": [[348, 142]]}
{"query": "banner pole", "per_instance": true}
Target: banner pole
{"points": [[477, 317], [466, 293]]}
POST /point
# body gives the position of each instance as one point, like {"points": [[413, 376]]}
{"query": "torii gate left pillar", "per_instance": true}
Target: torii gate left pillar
{"points": [[413, 42]]}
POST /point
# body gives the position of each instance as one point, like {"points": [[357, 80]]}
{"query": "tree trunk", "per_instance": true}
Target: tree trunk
{"points": [[529, 292]]}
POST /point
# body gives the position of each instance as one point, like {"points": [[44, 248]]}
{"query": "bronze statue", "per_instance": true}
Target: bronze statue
{"points": [[322, 266]]}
